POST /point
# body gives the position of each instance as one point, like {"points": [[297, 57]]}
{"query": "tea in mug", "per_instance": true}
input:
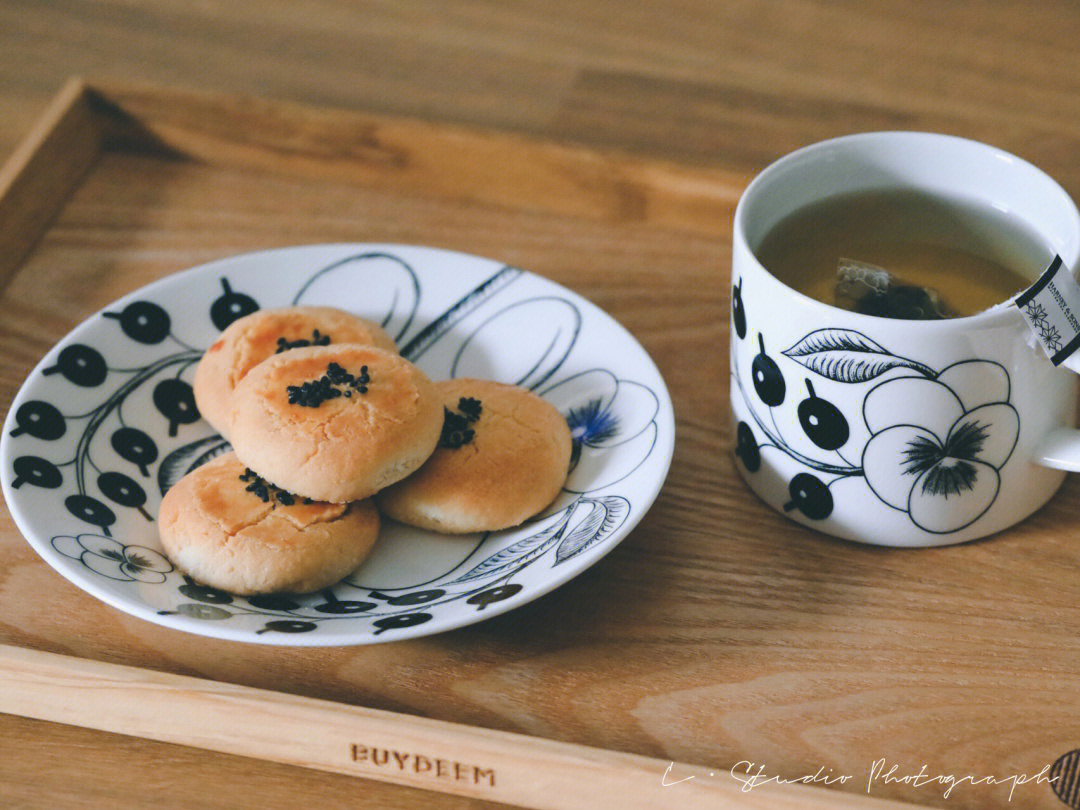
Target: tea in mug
{"points": [[904, 254]]}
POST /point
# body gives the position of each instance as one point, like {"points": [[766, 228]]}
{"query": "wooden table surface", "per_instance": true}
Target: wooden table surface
{"points": [[714, 84]]}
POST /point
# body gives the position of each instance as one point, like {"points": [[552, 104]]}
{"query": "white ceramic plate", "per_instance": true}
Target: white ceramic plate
{"points": [[106, 423]]}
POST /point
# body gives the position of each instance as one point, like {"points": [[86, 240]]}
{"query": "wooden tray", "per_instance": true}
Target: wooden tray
{"points": [[718, 634]]}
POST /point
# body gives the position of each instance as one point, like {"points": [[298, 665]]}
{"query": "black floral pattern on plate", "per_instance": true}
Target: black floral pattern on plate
{"points": [[116, 446]]}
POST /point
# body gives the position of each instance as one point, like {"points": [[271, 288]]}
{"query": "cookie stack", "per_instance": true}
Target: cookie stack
{"points": [[326, 422]]}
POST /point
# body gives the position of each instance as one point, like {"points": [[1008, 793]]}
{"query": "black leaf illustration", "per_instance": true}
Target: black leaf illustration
{"points": [[847, 356], [606, 515], [349, 283], [1066, 775], [558, 322], [184, 459], [520, 553]]}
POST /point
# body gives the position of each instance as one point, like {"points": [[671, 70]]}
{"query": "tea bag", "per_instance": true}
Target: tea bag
{"points": [[872, 290]]}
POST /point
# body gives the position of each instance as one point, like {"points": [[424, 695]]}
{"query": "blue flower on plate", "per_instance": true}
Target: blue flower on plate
{"points": [[592, 424], [603, 412], [111, 558]]}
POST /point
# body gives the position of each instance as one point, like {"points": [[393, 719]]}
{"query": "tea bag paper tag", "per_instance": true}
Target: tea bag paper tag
{"points": [[1051, 306]]}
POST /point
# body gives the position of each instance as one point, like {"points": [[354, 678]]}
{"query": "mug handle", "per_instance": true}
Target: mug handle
{"points": [[1060, 448]]}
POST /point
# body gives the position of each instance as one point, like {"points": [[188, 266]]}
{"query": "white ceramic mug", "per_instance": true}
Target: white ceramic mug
{"points": [[894, 432]]}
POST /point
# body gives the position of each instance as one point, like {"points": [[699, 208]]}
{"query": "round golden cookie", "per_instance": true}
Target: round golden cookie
{"points": [[335, 423], [496, 465], [228, 528], [249, 340]]}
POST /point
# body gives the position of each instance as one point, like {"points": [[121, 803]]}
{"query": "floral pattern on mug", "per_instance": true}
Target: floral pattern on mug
{"points": [[937, 444], [938, 440]]}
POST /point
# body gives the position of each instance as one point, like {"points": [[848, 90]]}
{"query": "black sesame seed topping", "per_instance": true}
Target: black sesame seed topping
{"points": [[316, 340], [335, 382], [264, 490], [456, 431], [470, 408]]}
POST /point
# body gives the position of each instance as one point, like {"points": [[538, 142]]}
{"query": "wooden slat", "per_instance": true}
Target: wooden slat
{"points": [[445, 757], [52, 765], [42, 171], [415, 156]]}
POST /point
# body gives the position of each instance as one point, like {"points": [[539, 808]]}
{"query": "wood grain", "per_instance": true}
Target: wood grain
{"points": [[43, 170], [717, 632], [723, 84], [412, 156], [428, 754], [61, 765]]}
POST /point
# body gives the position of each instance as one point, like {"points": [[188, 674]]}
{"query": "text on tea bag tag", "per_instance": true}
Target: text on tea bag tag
{"points": [[1051, 307]]}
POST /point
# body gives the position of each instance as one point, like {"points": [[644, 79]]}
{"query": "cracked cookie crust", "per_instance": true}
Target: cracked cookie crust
{"points": [[252, 339], [216, 527], [332, 441], [492, 471]]}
